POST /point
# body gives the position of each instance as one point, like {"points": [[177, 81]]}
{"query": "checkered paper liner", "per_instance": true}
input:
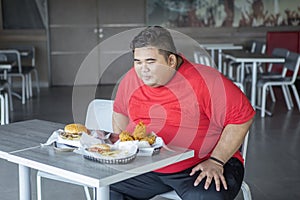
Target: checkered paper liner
{"points": [[111, 161], [125, 154]]}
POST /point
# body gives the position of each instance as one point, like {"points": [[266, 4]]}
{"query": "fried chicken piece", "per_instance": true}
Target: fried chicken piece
{"points": [[149, 138], [139, 131], [125, 136]]}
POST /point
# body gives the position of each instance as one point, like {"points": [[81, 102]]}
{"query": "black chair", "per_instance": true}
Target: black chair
{"points": [[27, 53]]}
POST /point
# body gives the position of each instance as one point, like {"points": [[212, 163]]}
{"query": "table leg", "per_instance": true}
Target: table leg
{"points": [[212, 54], [24, 183], [253, 87], [220, 61], [242, 74], [102, 193]]}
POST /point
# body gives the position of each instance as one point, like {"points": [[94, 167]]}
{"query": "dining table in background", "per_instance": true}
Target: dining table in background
{"points": [[219, 48], [21, 144], [244, 57]]}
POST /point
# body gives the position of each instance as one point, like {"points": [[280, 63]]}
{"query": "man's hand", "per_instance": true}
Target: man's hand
{"points": [[212, 171]]}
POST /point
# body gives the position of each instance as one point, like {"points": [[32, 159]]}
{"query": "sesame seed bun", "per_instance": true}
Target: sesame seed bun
{"points": [[75, 128]]}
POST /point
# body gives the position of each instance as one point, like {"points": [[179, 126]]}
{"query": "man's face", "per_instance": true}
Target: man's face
{"points": [[152, 68]]}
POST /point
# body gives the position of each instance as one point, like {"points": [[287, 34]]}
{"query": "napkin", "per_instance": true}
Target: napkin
{"points": [[84, 139]]}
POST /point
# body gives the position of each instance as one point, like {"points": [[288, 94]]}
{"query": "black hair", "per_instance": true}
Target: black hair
{"points": [[155, 36]]}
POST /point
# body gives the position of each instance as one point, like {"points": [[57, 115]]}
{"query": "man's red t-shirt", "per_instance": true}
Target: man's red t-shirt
{"points": [[190, 111]]}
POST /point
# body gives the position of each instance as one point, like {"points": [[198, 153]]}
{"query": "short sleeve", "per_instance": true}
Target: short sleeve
{"points": [[238, 107]]}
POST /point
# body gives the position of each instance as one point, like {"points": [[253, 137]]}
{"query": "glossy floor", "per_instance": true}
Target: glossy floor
{"points": [[273, 161]]}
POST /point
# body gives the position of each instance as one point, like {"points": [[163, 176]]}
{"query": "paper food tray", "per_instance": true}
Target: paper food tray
{"points": [[145, 150], [126, 154], [59, 142]]}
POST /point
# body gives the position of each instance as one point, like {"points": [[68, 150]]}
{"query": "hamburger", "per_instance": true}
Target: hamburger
{"points": [[73, 131], [103, 149], [75, 128], [99, 148]]}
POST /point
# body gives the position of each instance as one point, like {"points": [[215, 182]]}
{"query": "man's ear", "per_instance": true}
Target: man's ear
{"points": [[172, 61]]}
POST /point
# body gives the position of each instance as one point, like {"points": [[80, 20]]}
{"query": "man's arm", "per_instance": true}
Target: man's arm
{"points": [[120, 122], [231, 139]]}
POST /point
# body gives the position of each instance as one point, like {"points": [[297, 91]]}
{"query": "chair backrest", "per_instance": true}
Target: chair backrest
{"points": [[99, 115], [27, 53], [278, 52], [14, 56], [3, 57], [202, 58], [258, 47], [292, 62]]}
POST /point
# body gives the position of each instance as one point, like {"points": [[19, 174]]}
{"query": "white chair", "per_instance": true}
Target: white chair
{"points": [[4, 103], [16, 71], [245, 188], [277, 52], [5, 93], [292, 63], [256, 47], [2, 110], [98, 117], [203, 58], [27, 53]]}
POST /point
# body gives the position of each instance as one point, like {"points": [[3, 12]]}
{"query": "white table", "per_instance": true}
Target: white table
{"points": [[21, 136], [246, 57], [220, 47], [68, 164]]}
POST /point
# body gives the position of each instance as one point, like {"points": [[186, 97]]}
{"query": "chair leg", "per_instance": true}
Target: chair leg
{"points": [[246, 191], [23, 89], [27, 86], [238, 73], [263, 101], [272, 94], [30, 85], [6, 108], [296, 95], [289, 96], [286, 97], [37, 82], [10, 98], [2, 109], [259, 96]]}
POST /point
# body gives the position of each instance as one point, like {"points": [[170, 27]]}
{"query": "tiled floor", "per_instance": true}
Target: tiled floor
{"points": [[273, 162]]}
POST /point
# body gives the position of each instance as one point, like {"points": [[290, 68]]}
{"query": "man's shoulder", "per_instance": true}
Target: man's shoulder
{"points": [[194, 69]]}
